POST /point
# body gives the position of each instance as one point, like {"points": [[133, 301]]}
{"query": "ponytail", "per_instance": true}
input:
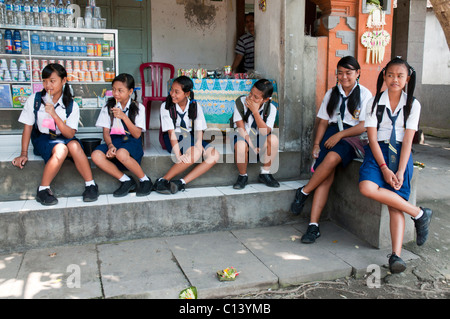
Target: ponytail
{"points": [[410, 90]]}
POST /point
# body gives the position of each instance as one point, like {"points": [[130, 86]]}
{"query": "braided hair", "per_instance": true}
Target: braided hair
{"points": [[347, 62], [411, 85]]}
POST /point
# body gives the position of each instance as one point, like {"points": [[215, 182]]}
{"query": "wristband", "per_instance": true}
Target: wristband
{"points": [[382, 165]]}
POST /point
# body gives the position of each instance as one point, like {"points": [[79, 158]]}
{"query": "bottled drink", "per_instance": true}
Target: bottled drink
{"points": [[52, 14], [19, 13], [9, 7], [51, 47], [25, 43], [28, 15], [83, 47], [61, 12], [43, 44], [35, 43], [43, 11], [8, 42], [2, 13], [2, 43], [59, 46], [17, 42], [35, 13], [68, 21], [75, 46], [68, 47]]}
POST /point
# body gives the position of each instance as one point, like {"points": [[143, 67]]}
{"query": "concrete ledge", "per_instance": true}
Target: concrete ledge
{"points": [[28, 224], [366, 218]]}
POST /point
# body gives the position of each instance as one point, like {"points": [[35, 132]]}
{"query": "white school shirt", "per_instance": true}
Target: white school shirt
{"points": [[27, 115], [350, 119], [104, 119], [384, 131], [167, 122], [270, 122]]}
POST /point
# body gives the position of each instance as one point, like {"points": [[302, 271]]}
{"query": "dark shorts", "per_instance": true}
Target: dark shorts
{"points": [[131, 144], [258, 140], [182, 143], [370, 170], [344, 149], [43, 145]]}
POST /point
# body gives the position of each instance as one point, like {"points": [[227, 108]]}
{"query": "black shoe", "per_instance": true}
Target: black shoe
{"points": [[125, 188], [422, 226], [145, 188], [299, 202], [312, 233], [162, 186], [268, 180], [241, 182], [46, 197], [396, 264], [90, 193], [177, 185]]}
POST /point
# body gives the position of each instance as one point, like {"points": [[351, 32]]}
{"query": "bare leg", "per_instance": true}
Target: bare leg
{"points": [[241, 156], [271, 153], [397, 228], [130, 163], [59, 154], [99, 158], [320, 198], [80, 159], [323, 171], [180, 167], [211, 158]]}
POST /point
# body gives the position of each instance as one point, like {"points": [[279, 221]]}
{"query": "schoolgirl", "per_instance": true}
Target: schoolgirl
{"points": [[341, 121], [51, 121], [123, 121], [182, 124], [254, 118], [385, 175]]}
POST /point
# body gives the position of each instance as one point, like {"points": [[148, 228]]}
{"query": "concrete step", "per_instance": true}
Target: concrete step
{"points": [[16, 184], [26, 224]]}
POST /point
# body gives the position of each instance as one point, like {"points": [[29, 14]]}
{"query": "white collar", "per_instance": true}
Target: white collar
{"points": [[384, 100], [341, 90]]}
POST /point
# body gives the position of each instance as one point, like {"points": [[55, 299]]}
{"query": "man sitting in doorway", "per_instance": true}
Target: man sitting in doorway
{"points": [[245, 46]]}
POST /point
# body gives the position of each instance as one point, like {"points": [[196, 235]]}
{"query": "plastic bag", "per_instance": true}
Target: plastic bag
{"points": [[48, 120], [117, 127]]}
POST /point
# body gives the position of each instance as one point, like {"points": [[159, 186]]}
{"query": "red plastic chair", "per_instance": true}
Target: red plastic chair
{"points": [[157, 82]]}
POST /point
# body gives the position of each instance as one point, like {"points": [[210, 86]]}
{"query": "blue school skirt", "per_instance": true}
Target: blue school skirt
{"points": [[131, 144], [370, 170], [43, 144], [344, 149], [184, 146]]}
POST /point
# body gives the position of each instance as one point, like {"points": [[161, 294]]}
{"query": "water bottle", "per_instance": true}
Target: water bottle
{"points": [[61, 12], [8, 42], [43, 11], [76, 46], [19, 13], [9, 7], [43, 44], [28, 16], [35, 13], [51, 44], [25, 43], [17, 42], [2, 12], [83, 47], [35, 43], [68, 47], [59, 46], [69, 11], [2, 43], [52, 14]]}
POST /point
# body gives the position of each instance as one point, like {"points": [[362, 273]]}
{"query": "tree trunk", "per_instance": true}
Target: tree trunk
{"points": [[441, 9]]}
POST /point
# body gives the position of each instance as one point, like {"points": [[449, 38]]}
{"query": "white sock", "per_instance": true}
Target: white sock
{"points": [[124, 178], [263, 171], [41, 188], [304, 192], [314, 224], [243, 174], [143, 179], [89, 183], [182, 180], [420, 215]]}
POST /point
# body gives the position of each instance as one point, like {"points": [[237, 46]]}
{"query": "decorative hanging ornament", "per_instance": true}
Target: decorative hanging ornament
{"points": [[262, 5], [375, 42], [377, 17]]}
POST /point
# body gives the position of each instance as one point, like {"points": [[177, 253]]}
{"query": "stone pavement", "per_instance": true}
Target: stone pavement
{"points": [[266, 258]]}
